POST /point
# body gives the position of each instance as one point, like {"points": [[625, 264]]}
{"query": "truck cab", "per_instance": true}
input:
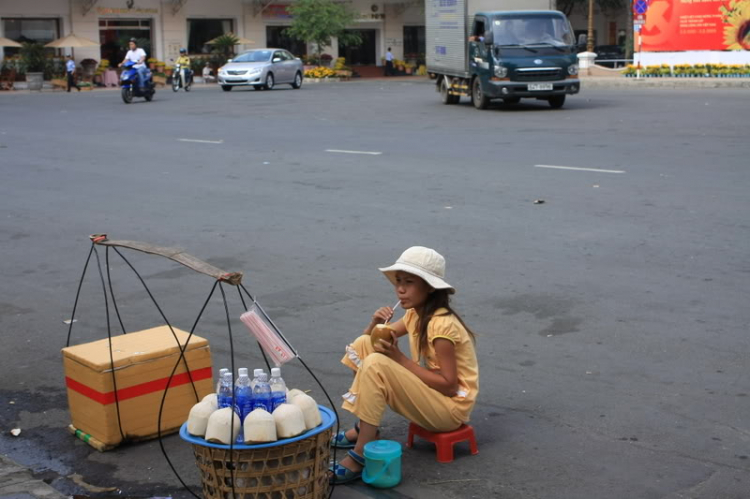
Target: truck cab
{"points": [[522, 54]]}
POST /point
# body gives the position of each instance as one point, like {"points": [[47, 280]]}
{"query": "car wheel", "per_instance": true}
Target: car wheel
{"points": [[226, 88], [480, 100], [557, 101], [297, 80], [269, 82]]}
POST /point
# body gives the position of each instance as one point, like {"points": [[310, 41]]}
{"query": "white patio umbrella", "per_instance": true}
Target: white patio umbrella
{"points": [[73, 41], [7, 42]]}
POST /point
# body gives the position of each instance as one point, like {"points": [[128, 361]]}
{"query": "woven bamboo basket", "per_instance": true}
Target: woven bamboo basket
{"points": [[297, 470]]}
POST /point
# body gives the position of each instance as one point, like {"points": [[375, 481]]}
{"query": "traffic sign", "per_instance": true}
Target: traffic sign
{"points": [[640, 6]]}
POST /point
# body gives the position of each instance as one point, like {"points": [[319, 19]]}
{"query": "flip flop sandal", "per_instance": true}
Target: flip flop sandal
{"points": [[341, 442], [342, 475]]}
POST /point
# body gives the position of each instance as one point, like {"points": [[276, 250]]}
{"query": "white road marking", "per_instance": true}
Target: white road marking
{"points": [[598, 170], [199, 141], [341, 151]]}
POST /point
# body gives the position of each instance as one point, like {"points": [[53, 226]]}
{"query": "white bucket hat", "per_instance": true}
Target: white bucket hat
{"points": [[422, 262]]}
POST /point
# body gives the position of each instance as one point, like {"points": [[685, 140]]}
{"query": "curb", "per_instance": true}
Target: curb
{"points": [[623, 82], [17, 481]]}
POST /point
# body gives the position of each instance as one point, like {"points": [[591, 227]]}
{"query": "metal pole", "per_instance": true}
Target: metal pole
{"points": [[590, 41]]}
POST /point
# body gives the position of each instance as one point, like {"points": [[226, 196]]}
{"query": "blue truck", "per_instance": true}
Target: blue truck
{"points": [[488, 50]]}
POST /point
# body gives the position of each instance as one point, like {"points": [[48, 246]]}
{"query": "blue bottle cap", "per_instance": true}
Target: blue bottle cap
{"points": [[382, 449]]}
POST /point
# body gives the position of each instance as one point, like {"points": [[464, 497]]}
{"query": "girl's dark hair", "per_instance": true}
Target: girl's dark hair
{"points": [[439, 298]]}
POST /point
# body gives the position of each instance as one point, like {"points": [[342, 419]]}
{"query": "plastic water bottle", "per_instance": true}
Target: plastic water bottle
{"points": [[225, 391], [221, 376], [243, 394], [278, 388], [262, 394], [256, 373]]}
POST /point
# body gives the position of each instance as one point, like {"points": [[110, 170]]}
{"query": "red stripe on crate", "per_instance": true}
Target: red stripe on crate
{"points": [[156, 385]]}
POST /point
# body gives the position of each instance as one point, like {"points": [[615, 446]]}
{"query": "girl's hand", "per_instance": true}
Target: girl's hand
{"points": [[390, 348], [382, 315]]}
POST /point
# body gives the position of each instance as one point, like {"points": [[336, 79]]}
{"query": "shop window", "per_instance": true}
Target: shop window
{"points": [[414, 44], [202, 31], [277, 38], [114, 35], [30, 30]]}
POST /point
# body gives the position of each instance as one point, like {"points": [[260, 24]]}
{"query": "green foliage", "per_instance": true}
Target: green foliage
{"points": [[33, 58], [224, 44], [317, 21], [197, 64]]}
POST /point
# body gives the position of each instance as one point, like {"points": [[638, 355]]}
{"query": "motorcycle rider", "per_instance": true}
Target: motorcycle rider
{"points": [[138, 56], [184, 62]]}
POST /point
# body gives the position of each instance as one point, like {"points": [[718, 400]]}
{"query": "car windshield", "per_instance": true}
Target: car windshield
{"points": [[254, 56], [523, 31]]}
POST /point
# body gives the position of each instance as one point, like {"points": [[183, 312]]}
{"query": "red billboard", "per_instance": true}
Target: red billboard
{"points": [[679, 25]]}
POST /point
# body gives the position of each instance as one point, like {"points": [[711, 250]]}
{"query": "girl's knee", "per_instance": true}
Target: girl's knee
{"points": [[378, 362]]}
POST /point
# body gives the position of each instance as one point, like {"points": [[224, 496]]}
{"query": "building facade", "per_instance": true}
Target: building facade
{"points": [[164, 26]]}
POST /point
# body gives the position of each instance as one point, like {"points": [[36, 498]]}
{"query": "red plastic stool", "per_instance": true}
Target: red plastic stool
{"points": [[444, 441]]}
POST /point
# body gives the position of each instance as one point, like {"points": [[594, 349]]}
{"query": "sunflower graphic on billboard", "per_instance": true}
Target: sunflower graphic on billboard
{"points": [[736, 16]]}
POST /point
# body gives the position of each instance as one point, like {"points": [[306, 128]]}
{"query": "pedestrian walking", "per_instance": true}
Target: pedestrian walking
{"points": [[439, 396], [389, 62], [70, 69]]}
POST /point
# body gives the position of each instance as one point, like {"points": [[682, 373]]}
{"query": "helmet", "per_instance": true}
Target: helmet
{"points": [[133, 40], [183, 50]]}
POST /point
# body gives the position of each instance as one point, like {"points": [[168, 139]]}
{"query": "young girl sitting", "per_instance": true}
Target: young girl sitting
{"points": [[436, 388]]}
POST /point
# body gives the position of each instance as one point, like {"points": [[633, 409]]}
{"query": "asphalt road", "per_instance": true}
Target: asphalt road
{"points": [[612, 319]]}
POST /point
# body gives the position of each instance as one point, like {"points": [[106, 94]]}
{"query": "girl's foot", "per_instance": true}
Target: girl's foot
{"points": [[348, 469]]}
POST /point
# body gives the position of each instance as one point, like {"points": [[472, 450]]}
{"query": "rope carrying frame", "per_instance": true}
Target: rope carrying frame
{"points": [[221, 278]]}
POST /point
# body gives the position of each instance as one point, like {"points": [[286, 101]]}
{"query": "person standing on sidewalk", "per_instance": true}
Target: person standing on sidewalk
{"points": [[389, 62], [70, 68]]}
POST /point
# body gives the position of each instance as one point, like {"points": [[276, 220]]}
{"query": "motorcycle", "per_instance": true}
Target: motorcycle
{"points": [[130, 87], [177, 78]]}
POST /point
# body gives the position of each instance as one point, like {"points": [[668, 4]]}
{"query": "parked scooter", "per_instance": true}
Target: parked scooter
{"points": [[178, 77], [130, 87]]}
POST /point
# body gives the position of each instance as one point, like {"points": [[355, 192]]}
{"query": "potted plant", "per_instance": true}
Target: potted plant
{"points": [[33, 62], [325, 60], [151, 63]]}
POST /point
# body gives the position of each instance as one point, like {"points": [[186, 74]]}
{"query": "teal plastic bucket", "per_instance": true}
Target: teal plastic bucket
{"points": [[382, 464]]}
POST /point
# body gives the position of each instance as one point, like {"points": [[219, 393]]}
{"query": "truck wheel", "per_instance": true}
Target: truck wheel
{"points": [[445, 97], [480, 100], [557, 101]]}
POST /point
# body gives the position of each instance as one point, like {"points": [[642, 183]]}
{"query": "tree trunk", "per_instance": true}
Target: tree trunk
{"points": [[629, 40], [590, 41]]}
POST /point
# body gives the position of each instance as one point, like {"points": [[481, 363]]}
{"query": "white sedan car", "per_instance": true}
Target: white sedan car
{"points": [[262, 69]]}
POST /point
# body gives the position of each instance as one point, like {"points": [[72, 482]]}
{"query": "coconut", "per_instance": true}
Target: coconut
{"points": [[293, 393], [290, 421], [310, 410], [212, 399], [260, 427], [220, 426], [198, 418], [381, 332]]}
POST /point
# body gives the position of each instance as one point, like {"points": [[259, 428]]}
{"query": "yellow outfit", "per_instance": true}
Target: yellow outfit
{"points": [[381, 381], [183, 61]]}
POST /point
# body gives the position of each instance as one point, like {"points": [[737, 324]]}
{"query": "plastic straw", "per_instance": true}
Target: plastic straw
{"points": [[394, 311], [271, 343]]}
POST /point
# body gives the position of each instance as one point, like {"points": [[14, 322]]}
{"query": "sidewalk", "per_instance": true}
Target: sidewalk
{"points": [[17, 482]]}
